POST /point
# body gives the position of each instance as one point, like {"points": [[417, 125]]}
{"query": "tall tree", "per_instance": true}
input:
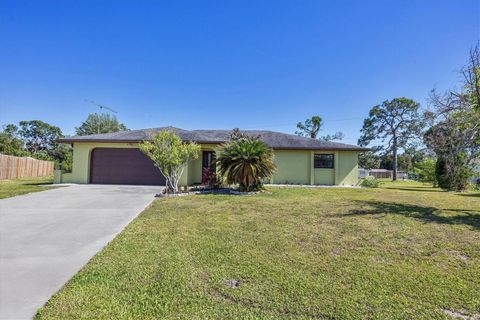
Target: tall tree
{"points": [[100, 123], [406, 161], [10, 143], [369, 160], [396, 122], [40, 141], [311, 127], [471, 78], [39, 136], [455, 133], [336, 136]]}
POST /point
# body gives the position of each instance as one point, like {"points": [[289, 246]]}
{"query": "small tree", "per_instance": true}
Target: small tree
{"points": [[100, 123], [426, 171], [170, 155], [397, 121], [245, 161]]}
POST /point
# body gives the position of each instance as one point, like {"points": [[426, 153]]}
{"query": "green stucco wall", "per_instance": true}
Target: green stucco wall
{"points": [[296, 167], [195, 166], [293, 166], [324, 176], [347, 172]]}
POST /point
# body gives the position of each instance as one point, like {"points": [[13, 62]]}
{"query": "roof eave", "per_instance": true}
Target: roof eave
{"points": [[67, 140], [360, 149], [70, 141]]}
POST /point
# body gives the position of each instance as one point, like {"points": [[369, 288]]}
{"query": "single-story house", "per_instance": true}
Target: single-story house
{"points": [[114, 158]]}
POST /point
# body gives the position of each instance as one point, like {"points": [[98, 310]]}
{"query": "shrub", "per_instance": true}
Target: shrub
{"points": [[245, 161], [370, 182], [209, 177]]}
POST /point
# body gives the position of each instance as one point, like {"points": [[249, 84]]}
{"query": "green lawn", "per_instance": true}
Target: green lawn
{"points": [[404, 251], [11, 188]]}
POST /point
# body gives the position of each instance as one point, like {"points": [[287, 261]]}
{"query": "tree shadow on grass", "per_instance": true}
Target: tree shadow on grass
{"points": [[422, 213], [469, 194], [418, 189], [37, 183]]}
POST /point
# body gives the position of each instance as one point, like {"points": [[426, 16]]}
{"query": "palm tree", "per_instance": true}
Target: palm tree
{"points": [[245, 161]]}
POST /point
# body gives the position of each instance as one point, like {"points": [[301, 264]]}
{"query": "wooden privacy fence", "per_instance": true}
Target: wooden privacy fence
{"points": [[21, 167]]}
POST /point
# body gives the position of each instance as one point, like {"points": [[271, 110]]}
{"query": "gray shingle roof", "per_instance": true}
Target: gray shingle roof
{"points": [[276, 140]]}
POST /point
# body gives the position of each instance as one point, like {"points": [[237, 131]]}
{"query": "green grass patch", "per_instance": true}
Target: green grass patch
{"points": [[11, 188], [402, 251]]}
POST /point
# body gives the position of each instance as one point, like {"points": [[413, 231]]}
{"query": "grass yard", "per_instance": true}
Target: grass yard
{"points": [[11, 188], [404, 251]]}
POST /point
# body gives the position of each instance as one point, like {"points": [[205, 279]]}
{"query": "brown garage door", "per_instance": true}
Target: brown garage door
{"points": [[123, 166]]}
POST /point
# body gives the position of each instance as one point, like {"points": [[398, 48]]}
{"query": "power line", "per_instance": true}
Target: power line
{"points": [[101, 106], [323, 120], [293, 125]]}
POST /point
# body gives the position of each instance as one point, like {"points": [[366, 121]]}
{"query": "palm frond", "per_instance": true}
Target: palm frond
{"points": [[246, 161]]}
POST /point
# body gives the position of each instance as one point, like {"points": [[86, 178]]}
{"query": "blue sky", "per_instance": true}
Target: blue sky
{"points": [[224, 64]]}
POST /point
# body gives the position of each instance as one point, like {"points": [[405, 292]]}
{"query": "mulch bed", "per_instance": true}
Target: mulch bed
{"points": [[207, 191]]}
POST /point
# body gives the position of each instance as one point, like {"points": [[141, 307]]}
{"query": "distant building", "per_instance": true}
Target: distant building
{"points": [[476, 169], [381, 173]]}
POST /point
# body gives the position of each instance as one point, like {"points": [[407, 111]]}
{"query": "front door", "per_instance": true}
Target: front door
{"points": [[208, 160]]}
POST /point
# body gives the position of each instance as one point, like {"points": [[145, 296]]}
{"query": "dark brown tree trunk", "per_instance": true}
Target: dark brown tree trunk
{"points": [[394, 149]]}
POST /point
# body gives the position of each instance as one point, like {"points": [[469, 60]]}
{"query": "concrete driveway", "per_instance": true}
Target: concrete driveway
{"points": [[46, 237]]}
